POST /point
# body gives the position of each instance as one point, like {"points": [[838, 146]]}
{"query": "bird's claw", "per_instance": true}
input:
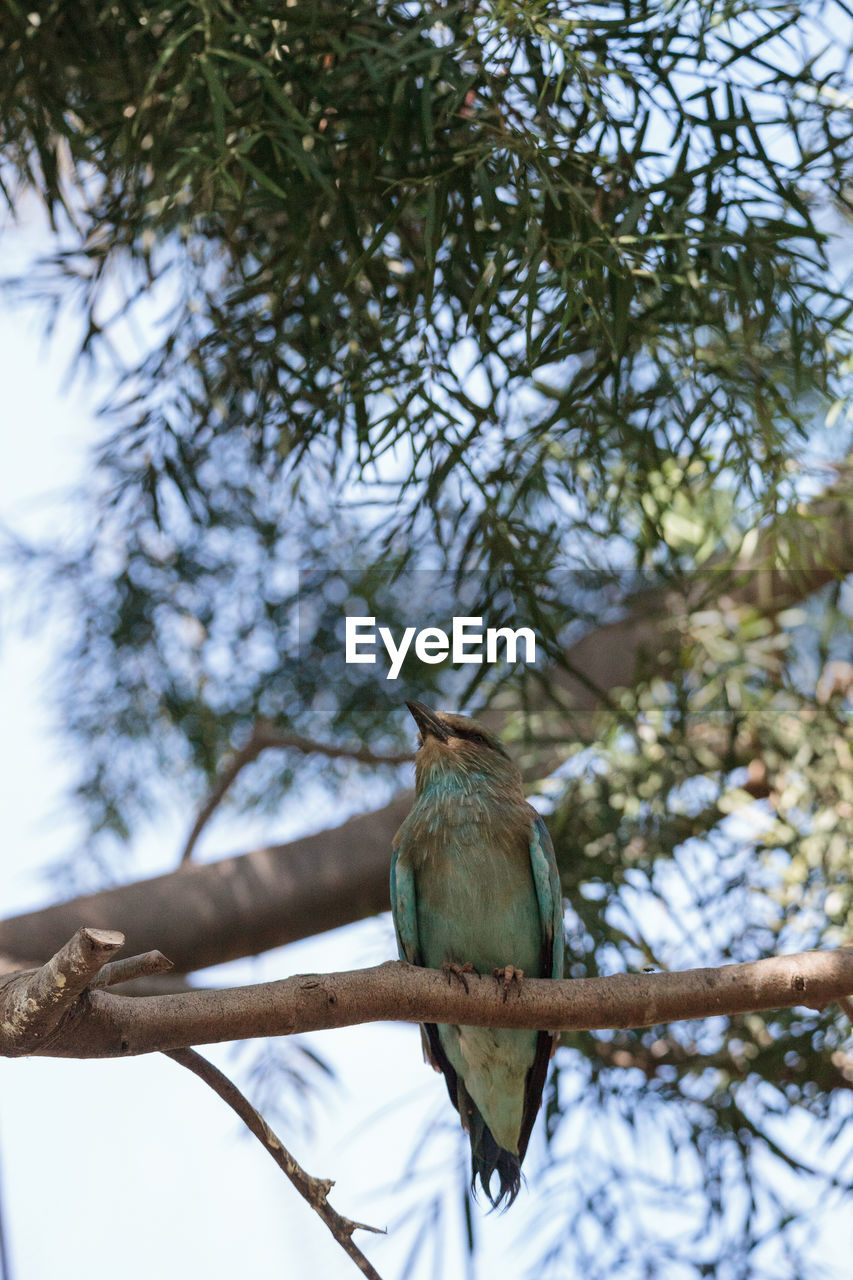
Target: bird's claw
{"points": [[507, 976], [454, 970]]}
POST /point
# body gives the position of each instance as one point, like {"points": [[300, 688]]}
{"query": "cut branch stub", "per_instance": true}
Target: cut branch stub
{"points": [[35, 1002]]}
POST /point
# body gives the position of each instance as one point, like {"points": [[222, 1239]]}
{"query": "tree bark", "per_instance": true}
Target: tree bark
{"points": [[206, 914], [94, 1023]]}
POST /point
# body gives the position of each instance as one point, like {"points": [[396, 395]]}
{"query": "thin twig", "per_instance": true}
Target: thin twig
{"points": [[314, 1190], [131, 969], [335, 751], [236, 765], [265, 738]]}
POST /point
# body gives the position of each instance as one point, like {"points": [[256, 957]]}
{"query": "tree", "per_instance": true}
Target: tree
{"points": [[525, 313]]}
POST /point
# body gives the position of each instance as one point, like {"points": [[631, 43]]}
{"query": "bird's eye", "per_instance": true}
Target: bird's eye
{"points": [[477, 737]]}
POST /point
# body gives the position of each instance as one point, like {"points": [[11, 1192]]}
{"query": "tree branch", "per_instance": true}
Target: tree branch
{"points": [[247, 904], [314, 1190], [264, 738], [270, 737], [34, 1002], [238, 762], [149, 965], [207, 914], [146, 975], [98, 1023]]}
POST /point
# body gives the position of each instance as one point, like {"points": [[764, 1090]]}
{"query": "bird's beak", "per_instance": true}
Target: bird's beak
{"points": [[428, 722]]}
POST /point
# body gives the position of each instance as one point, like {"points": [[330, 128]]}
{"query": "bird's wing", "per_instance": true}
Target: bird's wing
{"points": [[405, 917], [403, 907], [546, 881]]}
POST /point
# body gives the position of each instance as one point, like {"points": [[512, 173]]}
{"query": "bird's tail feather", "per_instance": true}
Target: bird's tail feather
{"points": [[488, 1158]]}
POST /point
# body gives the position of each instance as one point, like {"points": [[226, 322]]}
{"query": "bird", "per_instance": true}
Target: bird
{"points": [[475, 888]]}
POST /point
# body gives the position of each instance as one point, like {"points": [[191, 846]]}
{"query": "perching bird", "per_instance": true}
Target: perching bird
{"points": [[474, 887]]}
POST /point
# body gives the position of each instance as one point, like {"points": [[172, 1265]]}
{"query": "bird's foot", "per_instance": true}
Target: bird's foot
{"points": [[507, 976], [454, 970]]}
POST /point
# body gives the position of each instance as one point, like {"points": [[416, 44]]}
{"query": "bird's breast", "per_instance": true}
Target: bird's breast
{"points": [[476, 900]]}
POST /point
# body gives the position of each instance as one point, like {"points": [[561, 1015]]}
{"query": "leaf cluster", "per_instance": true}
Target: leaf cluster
{"points": [[463, 252]]}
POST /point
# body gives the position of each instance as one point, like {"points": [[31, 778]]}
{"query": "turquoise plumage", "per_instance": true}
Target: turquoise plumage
{"points": [[474, 885]]}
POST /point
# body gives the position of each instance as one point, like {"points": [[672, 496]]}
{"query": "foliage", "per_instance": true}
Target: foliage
{"points": [[498, 289], [716, 829], [483, 307]]}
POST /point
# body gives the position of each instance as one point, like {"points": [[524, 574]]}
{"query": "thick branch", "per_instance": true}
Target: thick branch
{"points": [[101, 1024], [314, 1190]]}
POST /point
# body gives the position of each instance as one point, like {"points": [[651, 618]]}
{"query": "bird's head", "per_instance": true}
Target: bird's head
{"points": [[454, 744]]}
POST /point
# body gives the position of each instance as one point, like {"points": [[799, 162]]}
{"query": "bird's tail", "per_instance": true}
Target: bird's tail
{"points": [[488, 1158]]}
